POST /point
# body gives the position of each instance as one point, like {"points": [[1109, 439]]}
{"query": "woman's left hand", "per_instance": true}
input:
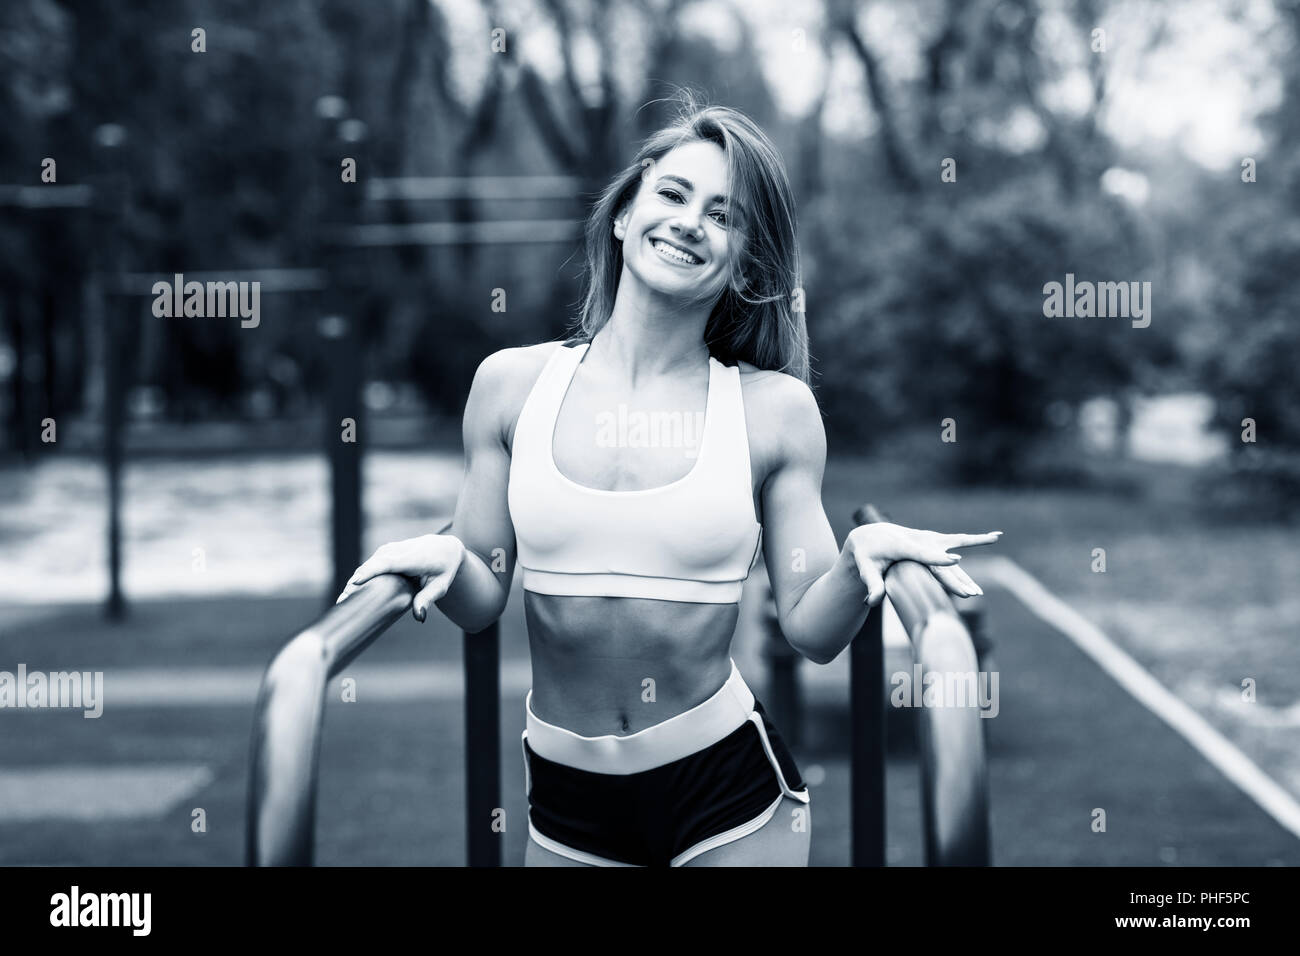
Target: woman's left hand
{"points": [[874, 547]]}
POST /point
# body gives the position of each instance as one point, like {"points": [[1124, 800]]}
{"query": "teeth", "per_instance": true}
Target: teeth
{"points": [[675, 253]]}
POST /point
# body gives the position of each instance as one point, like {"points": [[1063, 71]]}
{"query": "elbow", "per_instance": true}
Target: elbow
{"points": [[813, 651], [477, 623], [819, 656]]}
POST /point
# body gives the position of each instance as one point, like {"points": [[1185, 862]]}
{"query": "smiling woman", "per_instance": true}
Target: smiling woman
{"points": [[643, 744]]}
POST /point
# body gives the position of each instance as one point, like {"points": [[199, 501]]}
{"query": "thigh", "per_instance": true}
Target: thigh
{"points": [[537, 855], [783, 841]]}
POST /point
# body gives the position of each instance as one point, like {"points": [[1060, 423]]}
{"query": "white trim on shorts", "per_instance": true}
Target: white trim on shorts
{"points": [[673, 739], [689, 732]]}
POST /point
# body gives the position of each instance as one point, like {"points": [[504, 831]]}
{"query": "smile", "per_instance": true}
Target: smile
{"points": [[675, 254]]}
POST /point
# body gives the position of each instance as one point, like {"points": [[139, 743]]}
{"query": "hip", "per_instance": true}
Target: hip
{"points": [[710, 775]]}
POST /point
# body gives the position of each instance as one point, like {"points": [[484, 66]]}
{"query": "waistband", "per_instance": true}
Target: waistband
{"points": [[672, 739]]}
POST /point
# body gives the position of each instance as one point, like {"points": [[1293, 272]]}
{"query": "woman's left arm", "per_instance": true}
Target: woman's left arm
{"points": [[823, 592]]}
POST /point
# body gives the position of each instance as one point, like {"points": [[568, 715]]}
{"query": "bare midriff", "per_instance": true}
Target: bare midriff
{"points": [[604, 665]]}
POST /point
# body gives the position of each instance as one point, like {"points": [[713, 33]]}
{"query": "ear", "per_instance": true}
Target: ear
{"points": [[620, 225]]}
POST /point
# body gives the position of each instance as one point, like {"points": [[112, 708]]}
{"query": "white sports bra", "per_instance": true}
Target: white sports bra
{"points": [[694, 539]]}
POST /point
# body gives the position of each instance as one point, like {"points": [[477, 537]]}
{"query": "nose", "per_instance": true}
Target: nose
{"points": [[688, 226]]}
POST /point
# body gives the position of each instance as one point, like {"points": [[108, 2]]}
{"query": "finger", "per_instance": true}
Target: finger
{"points": [[434, 590], [951, 583], [957, 581], [373, 567], [967, 580], [929, 554], [971, 540], [870, 575]]}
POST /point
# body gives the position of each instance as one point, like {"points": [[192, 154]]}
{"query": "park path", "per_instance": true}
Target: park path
{"points": [[1067, 740]]}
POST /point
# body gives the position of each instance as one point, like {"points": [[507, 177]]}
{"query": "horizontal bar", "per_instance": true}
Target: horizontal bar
{"points": [[460, 233], [415, 188], [269, 280], [51, 196]]}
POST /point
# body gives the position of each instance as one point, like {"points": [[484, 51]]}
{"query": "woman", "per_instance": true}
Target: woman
{"points": [[643, 744]]}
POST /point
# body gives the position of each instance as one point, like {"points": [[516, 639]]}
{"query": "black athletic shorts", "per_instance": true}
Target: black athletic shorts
{"points": [[667, 814]]}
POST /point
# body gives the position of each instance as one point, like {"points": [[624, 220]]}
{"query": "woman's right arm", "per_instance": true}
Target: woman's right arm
{"points": [[468, 570], [480, 588]]}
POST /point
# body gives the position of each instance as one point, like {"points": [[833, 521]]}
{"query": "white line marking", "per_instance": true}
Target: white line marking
{"points": [[1129, 674]]}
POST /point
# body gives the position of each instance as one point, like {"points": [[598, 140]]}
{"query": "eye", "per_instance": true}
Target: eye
{"points": [[666, 190], [722, 216]]}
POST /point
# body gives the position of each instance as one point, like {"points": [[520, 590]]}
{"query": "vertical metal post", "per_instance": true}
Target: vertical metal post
{"points": [[783, 678], [338, 205], [115, 311], [483, 745], [112, 203], [343, 402], [867, 730]]}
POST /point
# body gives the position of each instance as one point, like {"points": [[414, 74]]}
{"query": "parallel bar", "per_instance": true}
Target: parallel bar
{"points": [[483, 746], [343, 403], [289, 713], [954, 768], [867, 740]]}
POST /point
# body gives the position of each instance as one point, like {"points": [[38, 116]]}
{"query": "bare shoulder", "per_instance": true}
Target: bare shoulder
{"points": [[502, 383], [783, 419]]}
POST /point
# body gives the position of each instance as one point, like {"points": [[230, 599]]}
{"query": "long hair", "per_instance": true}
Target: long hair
{"points": [[759, 315]]}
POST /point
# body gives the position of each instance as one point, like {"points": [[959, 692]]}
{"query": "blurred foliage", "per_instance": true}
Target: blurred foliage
{"points": [[1250, 366], [924, 298]]}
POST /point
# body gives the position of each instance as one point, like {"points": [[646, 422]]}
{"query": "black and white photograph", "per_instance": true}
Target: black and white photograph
{"points": [[653, 434]]}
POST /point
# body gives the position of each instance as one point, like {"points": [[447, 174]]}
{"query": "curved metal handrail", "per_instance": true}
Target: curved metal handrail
{"points": [[954, 767], [289, 713]]}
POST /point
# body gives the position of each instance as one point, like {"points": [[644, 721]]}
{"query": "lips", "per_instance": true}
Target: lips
{"points": [[686, 257]]}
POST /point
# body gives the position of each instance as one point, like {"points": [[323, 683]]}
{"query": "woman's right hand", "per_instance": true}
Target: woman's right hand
{"points": [[432, 559]]}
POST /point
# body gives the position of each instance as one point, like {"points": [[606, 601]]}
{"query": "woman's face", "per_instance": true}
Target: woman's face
{"points": [[675, 232]]}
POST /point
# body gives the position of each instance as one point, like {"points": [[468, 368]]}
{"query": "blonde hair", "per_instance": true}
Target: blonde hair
{"points": [[754, 318]]}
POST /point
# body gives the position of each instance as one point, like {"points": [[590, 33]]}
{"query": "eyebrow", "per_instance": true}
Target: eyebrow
{"points": [[689, 187]]}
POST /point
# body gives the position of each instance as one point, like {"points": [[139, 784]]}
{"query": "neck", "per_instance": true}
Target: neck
{"points": [[649, 334]]}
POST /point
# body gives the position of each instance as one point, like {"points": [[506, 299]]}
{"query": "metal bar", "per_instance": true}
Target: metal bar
{"points": [[867, 741], [269, 280], [954, 767], [782, 698], [343, 445], [50, 196], [417, 188], [460, 233], [289, 713], [483, 746], [114, 409]]}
